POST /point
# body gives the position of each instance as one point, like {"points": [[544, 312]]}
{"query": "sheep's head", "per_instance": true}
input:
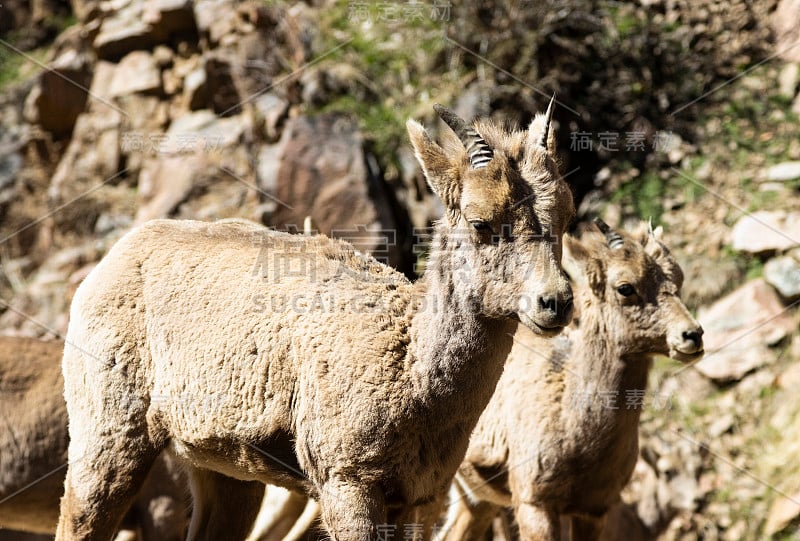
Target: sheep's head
{"points": [[633, 283], [506, 209]]}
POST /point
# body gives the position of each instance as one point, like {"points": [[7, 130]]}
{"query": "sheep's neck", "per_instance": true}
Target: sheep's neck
{"points": [[605, 384], [456, 354]]}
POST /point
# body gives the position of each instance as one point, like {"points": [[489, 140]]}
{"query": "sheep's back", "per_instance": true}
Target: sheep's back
{"points": [[247, 333]]}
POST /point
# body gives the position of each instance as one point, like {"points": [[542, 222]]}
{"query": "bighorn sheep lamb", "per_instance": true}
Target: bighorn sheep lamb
{"points": [[560, 435], [33, 450], [329, 372]]}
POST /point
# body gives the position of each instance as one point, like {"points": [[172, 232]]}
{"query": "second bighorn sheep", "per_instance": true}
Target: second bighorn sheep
{"points": [[560, 436], [33, 450], [361, 389]]}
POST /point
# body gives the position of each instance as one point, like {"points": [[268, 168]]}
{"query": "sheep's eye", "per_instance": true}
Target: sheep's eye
{"points": [[626, 290], [481, 226]]}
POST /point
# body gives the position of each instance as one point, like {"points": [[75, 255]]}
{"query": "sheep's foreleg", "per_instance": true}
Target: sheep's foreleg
{"points": [[223, 507], [537, 524], [350, 511]]}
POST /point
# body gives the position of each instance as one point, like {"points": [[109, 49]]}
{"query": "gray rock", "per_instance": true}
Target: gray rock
{"points": [[204, 131], [739, 330], [123, 31], [195, 89], [783, 273], [784, 171], [10, 164], [273, 109], [215, 18], [192, 122], [92, 156], [766, 231], [139, 24], [165, 182], [268, 162], [136, 72]]}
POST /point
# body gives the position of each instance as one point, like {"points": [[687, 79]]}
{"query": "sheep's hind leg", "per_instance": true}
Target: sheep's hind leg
{"points": [[276, 522], [472, 523], [352, 512], [537, 524], [223, 507]]}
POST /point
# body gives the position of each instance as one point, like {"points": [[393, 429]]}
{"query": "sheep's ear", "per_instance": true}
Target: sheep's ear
{"points": [[584, 267], [571, 258], [541, 134], [442, 176], [647, 234], [651, 240]]}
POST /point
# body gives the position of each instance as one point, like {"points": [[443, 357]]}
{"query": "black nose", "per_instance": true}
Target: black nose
{"points": [[695, 336], [555, 305]]}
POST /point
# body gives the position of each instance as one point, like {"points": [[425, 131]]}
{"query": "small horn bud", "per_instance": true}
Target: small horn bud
{"points": [[548, 120], [478, 150], [613, 238]]}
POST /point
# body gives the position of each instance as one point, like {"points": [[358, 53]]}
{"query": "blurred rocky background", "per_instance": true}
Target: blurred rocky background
{"points": [[684, 112]]}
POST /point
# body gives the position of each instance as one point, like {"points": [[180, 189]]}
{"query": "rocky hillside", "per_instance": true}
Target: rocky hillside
{"points": [[684, 112]]}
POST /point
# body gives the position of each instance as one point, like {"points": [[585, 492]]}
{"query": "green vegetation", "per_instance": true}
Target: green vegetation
{"points": [[390, 49], [15, 67], [10, 64]]}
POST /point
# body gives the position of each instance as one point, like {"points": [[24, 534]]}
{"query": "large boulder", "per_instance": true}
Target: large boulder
{"points": [[127, 25], [320, 169], [740, 330], [787, 31], [188, 158], [766, 231]]}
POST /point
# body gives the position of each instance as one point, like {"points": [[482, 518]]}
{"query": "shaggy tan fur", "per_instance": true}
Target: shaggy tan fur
{"points": [[325, 371], [33, 450], [560, 435]]}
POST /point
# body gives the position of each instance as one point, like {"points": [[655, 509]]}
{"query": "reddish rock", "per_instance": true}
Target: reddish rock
{"points": [[169, 17], [740, 329], [322, 172], [225, 98], [59, 95]]}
